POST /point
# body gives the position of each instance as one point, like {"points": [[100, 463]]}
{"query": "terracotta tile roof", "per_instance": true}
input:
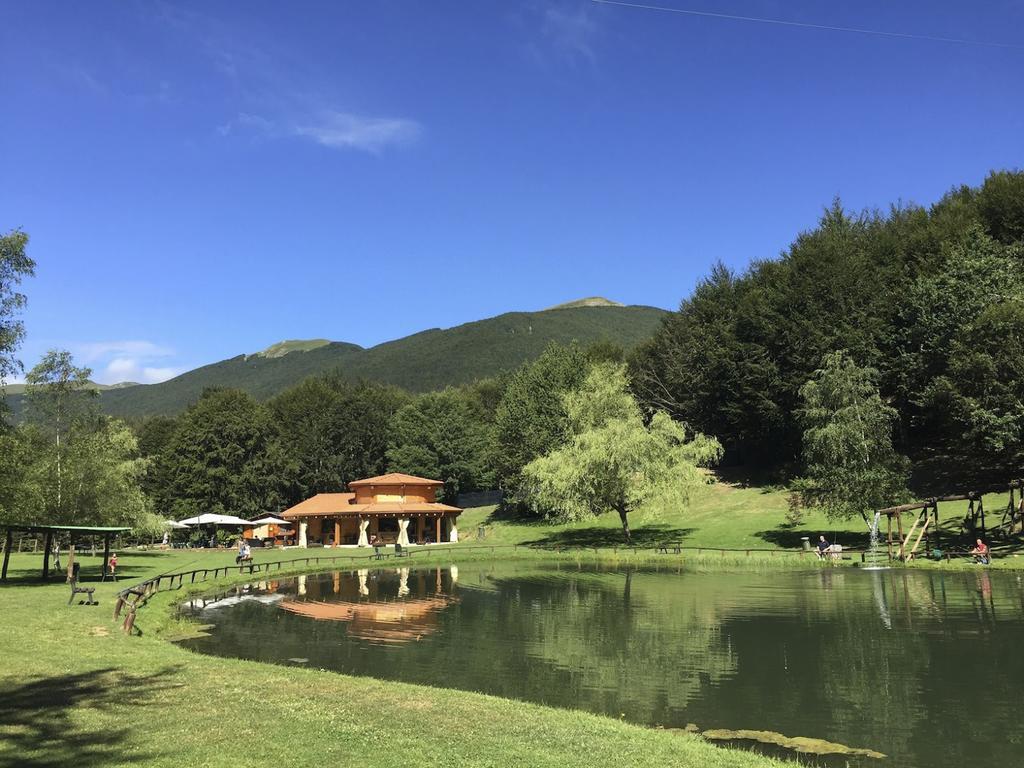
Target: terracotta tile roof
{"points": [[338, 504], [394, 478], [321, 504]]}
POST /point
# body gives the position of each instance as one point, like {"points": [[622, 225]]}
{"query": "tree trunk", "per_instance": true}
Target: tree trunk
{"points": [[625, 522]]}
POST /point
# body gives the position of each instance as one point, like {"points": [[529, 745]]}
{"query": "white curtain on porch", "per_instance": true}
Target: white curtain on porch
{"points": [[403, 531], [364, 523]]}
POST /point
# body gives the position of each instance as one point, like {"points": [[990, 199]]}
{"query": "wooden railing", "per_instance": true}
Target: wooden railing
{"points": [[130, 599]]}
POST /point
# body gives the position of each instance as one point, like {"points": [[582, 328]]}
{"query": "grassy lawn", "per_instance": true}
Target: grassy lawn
{"points": [[75, 691], [723, 515]]}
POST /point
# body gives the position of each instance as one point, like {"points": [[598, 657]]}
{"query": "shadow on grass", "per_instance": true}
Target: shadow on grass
{"points": [[645, 536], [792, 538], [37, 728]]}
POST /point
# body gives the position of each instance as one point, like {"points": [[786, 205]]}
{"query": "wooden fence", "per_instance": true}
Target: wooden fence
{"points": [[130, 599]]}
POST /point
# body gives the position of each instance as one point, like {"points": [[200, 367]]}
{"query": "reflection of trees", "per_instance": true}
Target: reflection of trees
{"points": [[614, 643]]}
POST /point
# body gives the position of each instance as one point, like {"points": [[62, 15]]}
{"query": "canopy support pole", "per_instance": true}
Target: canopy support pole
{"points": [[8, 543], [106, 555], [47, 546]]}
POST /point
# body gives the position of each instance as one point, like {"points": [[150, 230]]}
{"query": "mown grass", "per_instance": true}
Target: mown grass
{"points": [[730, 516], [76, 691]]}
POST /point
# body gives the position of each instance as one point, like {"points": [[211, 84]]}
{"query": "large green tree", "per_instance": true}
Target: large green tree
{"points": [[896, 289], [612, 461], [443, 435], [60, 402], [851, 465], [15, 266], [221, 460], [530, 420], [329, 432]]}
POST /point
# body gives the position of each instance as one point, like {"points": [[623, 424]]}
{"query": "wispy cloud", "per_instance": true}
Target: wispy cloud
{"points": [[571, 31], [90, 352], [135, 360], [132, 369], [280, 94], [343, 130]]}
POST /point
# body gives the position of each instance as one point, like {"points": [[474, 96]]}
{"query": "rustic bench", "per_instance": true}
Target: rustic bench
{"points": [[77, 590], [664, 548]]}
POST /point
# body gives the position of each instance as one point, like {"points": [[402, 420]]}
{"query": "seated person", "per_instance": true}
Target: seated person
{"points": [[244, 552], [823, 547], [980, 552]]}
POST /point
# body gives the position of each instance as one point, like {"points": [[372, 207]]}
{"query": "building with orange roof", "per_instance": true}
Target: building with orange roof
{"points": [[389, 509]]}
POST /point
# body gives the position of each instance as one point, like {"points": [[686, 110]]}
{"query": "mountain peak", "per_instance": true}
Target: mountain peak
{"points": [[282, 348], [590, 301]]}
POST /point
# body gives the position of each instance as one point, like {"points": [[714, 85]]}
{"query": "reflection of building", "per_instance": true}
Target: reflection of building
{"points": [[390, 508], [381, 618]]}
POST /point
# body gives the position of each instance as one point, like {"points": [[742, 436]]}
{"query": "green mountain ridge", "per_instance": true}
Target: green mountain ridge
{"points": [[19, 389], [428, 360]]}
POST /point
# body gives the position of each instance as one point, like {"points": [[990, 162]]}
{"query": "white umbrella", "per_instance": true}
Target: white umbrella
{"points": [[173, 524], [270, 520], [208, 518]]}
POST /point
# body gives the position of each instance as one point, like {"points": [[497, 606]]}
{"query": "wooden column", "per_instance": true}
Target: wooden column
{"points": [[437, 527], [47, 545], [337, 533], [8, 543], [420, 529], [106, 554]]}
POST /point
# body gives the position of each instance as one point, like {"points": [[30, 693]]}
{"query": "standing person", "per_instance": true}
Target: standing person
{"points": [[112, 566], [241, 550], [823, 547], [980, 552], [166, 539]]}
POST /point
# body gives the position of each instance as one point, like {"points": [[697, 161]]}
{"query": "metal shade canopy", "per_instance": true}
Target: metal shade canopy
{"points": [[270, 520], [174, 524], [208, 518]]}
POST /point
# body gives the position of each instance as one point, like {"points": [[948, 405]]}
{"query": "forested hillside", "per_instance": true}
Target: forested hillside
{"points": [[425, 361], [931, 298]]}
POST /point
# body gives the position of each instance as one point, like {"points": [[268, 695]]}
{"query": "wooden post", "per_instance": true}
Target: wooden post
{"points": [[71, 558], [8, 543], [337, 532], [888, 534], [106, 555], [420, 529], [437, 527], [47, 544]]}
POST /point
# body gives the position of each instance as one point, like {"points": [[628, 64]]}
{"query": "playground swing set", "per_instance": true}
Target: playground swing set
{"points": [[925, 528]]}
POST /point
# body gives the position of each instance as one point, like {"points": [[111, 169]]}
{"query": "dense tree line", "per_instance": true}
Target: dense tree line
{"points": [[874, 336], [930, 299]]}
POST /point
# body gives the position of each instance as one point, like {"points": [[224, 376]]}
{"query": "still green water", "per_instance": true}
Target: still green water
{"points": [[925, 667]]}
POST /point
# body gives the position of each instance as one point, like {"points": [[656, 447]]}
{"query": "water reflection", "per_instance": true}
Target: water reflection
{"points": [[923, 666]]}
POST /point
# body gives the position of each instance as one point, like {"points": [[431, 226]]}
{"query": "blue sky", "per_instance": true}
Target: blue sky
{"points": [[203, 179]]}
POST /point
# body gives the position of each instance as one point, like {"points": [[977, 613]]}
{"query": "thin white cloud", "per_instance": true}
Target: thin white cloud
{"points": [[122, 369], [344, 130], [571, 31], [95, 351]]}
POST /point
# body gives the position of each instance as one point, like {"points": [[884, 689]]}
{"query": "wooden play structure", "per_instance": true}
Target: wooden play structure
{"points": [[1013, 517], [926, 525]]}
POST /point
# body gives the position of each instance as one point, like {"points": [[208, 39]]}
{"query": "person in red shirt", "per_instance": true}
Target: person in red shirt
{"points": [[980, 552], [112, 565]]}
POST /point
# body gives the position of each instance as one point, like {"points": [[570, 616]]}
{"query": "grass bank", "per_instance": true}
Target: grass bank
{"points": [[75, 691], [725, 515]]}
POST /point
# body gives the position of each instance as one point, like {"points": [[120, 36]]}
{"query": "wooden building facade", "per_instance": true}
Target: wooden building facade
{"points": [[388, 509]]}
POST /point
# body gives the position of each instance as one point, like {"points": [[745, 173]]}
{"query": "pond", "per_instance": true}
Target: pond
{"points": [[926, 667]]}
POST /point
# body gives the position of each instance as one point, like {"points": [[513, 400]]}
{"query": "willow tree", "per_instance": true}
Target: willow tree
{"points": [[851, 465], [612, 461]]}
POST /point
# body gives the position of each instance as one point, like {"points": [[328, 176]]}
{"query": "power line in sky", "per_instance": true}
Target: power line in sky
{"points": [[805, 25]]}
